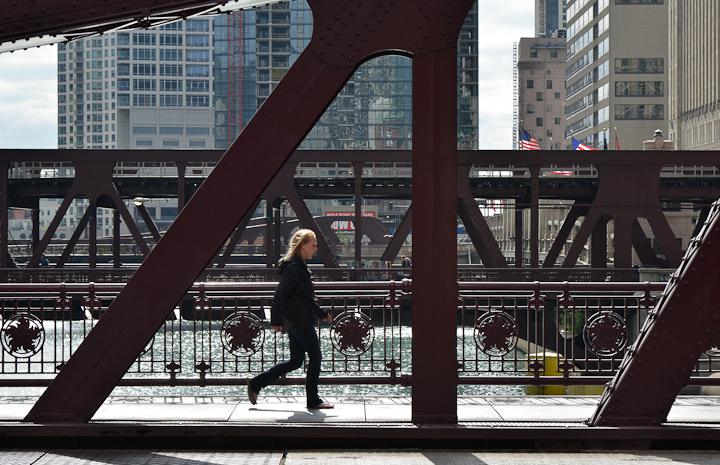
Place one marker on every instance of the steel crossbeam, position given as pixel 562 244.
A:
pixel 345 35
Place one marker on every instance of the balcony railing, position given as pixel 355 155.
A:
pixel 219 333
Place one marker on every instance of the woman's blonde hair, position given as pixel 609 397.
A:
pixel 302 236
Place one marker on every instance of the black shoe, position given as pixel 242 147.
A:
pixel 321 406
pixel 252 395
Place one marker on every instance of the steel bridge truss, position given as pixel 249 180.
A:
pixel 347 33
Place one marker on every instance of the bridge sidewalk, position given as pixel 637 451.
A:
pixel 500 410
pixel 376 422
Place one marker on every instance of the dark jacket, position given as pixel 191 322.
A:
pixel 294 299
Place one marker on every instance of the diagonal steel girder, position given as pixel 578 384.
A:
pixel 675 334
pixel 345 35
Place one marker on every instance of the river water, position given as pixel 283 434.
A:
pixel 396 340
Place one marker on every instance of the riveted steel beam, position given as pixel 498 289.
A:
pixel 675 334
pixel 345 34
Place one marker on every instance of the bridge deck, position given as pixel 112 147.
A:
pixel 522 422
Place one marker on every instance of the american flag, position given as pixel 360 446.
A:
pixel 527 142
pixel 577 145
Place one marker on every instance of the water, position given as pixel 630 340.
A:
pixel 390 343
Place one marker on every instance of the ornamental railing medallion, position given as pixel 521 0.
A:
pixel 352 333
pixel 713 348
pixel 242 334
pixel 23 335
pixel 496 333
pixel 606 334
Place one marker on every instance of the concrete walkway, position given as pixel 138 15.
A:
pixel 372 457
pixel 572 411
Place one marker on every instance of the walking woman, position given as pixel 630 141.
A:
pixel 294 311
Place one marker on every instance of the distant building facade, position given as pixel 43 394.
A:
pixel 541 90
pixel 617 71
pixel 694 74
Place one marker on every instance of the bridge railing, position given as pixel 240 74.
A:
pixel 244 274
pixel 336 170
pixel 508 333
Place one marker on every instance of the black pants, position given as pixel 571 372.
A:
pixel 302 341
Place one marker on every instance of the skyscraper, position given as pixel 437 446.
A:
pixel 549 17
pixel 616 70
pixel 373 111
pixel 138 89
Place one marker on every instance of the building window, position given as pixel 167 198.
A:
pixel 557 95
pixel 197 101
pixel 144 100
pixel 640 112
pixel 639 2
pixel 548 108
pixel 553 53
pixel 146 54
pixel 172 130
pixel 171 143
pixel 144 143
pixel 548 133
pixel 193 131
pixel 144 130
pixel 539 96
pixel 639 65
pixel 197 143
pixel 557 120
pixel 144 85
pixel 530 83
pixel 170 100
pixel 530 108
pixel 533 52
pixel 538 122
pixel 639 89
pixel 549 84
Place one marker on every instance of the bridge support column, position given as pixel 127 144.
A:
pixel 357 168
pixel 534 215
pixel 434 299
pixel 4 216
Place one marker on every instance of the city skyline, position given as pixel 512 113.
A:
pixel 28 92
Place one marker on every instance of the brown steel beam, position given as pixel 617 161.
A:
pixel 74 238
pixel 534 215
pixel 4 215
pixel 563 235
pixel 434 298
pixel 675 334
pixel 357 170
pixel 148 221
pixel 398 238
pixel 475 224
pixel 236 236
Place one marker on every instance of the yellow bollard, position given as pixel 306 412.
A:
pixel 550 361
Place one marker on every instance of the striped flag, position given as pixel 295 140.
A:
pixel 617 143
pixel 577 145
pixel 527 142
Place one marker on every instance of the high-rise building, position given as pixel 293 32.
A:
pixel 197 83
pixel 138 89
pixel 541 90
pixel 373 111
pixel 549 17
pixel 694 74
pixel 616 71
